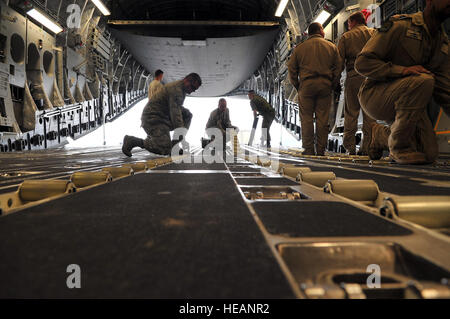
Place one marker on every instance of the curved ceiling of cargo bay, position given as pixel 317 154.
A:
pixel 223 63
pixel 224 56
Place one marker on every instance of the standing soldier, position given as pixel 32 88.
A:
pixel 350 45
pixel 261 107
pixel 156 84
pixel 162 114
pixel 406 64
pixel 318 65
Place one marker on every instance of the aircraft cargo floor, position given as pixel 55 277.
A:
pixel 193 231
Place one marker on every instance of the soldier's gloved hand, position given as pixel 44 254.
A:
pixel 415 70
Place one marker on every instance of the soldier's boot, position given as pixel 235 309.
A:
pixel 130 142
pixel 425 139
pixel 402 146
pixel 362 153
pixel 320 150
pixel 364 149
pixel 408 157
pixel 368 123
pixel 351 151
pixel 320 153
pixel 378 141
pixel 308 152
pixel 349 143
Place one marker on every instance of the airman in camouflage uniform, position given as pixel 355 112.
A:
pixel 406 63
pixel 262 107
pixel 162 114
pixel 220 119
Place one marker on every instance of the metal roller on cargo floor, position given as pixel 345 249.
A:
pixel 84 179
pixel 35 191
pixel 428 211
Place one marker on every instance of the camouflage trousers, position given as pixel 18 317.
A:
pixel 266 124
pixel 158 139
pixel 351 115
pixel 403 102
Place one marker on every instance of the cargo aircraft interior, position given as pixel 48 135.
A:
pixel 266 223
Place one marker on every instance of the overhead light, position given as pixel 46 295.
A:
pixel 99 4
pixel 281 6
pixel 322 17
pixel 44 20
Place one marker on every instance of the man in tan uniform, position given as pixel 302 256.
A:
pixel 318 65
pixel 406 64
pixel 349 46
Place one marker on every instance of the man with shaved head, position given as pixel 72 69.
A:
pixel 314 70
pixel 156 84
pixel 350 45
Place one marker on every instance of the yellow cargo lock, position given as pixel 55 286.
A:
pixel 318 179
pixel 428 211
pixel 357 190
pixel 85 179
pixel 117 172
